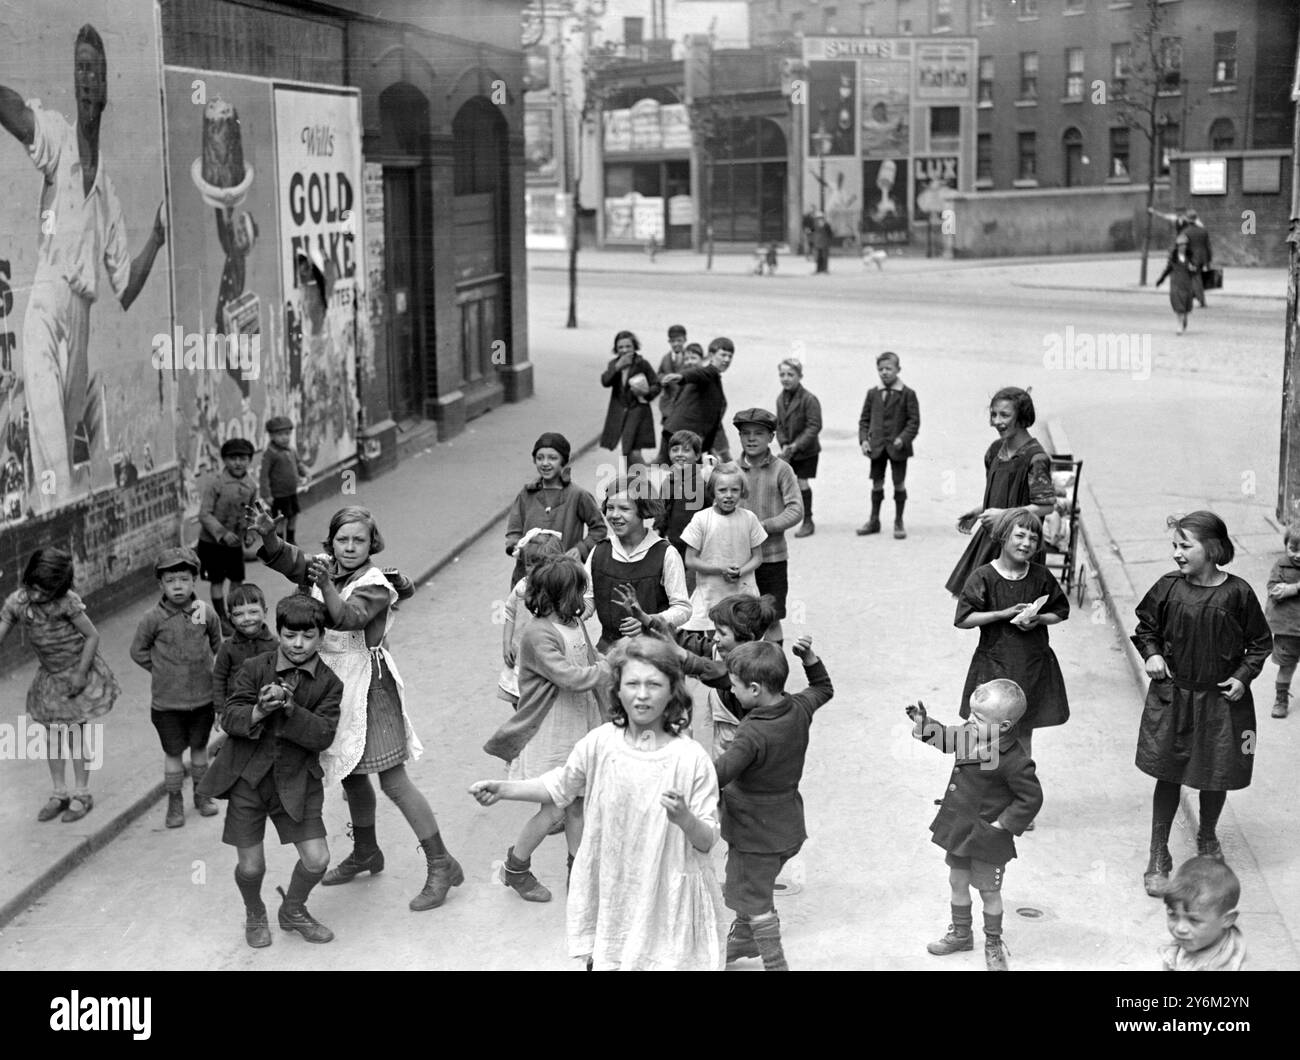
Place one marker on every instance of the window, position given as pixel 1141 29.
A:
pixel 904 25
pixel 633 30
pixel 1119 152
pixel 1074 7
pixel 1026 8
pixel 1223 135
pixel 828 20
pixel 1169 140
pixel 1121 60
pixel 1027 144
pixel 866 10
pixel 796 23
pixel 1074 73
pixel 942 16
pixel 1028 75
pixel 1171 64
pixel 986 79
pixel 1225 59
pixel 987 10
pixel 945 128
pixel 984 158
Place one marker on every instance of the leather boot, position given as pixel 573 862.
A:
pixel 1282 704
pixel 740 940
pixel 257 933
pixel 872 525
pixel 1156 878
pixel 517 875
pixel 293 916
pixel 444 873
pixel 202 803
pixel 174 783
pixel 1207 846
pixel 767 939
pixel 959 937
pixel 365 857
pixel 900 501
pixel 808 529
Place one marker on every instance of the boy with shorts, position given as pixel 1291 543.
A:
pixel 992 795
pixel 247 608
pixel 1282 609
pixel 175 642
pixel 282 474
pixel 221 523
pixel 890 420
pixel 282 713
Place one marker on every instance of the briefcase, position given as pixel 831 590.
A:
pixel 1212 279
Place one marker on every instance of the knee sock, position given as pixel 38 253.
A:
pixel 361 799
pixel 250 889
pixel 806 496
pixel 963 919
pixel 407 797
pixel 1212 803
pixel 1164 803
pixel 993 926
pixel 900 501
pixel 877 499
pixel 301 883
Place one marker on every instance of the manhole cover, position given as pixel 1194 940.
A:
pixel 1029 912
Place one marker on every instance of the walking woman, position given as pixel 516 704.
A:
pixel 629 423
pixel 1183 273
pixel 374 734
pixel 798 423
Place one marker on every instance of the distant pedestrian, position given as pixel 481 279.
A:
pixel 643 894
pixel 629 421
pixel 1201 903
pixel 821 242
pixel 222 523
pixel 701 401
pixel 1018 474
pixel 798 424
pixel 1181 270
pixel 1198 242
pixel 176 641
pixel 283 712
pixel 559 671
pixel 993 600
pixel 553 502
pixel 770 259
pixel 375 734
pixel 73 684
pixel 1282 609
pixel 994 794
pixel 890 420
pixel 535 547
pixel 282 474
pixel 759 774
pixel 671 363
pixel 773 496
pixel 724 546
pixel 1204 639
pixel 247 608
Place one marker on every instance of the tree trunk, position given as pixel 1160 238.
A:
pixel 573 260
pixel 1153 139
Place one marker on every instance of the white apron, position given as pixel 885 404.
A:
pixel 344 651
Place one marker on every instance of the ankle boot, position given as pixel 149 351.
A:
pixel 1282 704
pixel 767 940
pixel 808 528
pixel 995 950
pixel 900 501
pixel 293 916
pixel 444 873
pixel 516 875
pixel 202 803
pixel 365 857
pixel 1207 846
pixel 872 525
pixel 174 784
pixel 257 933
pixel 959 937
pixel 740 940
pixel 1156 878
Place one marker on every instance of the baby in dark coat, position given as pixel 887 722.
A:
pixel 992 795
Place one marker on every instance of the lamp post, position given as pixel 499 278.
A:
pixel 823 139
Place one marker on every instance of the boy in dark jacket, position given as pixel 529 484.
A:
pixel 701 401
pixel 282 473
pixel 890 420
pixel 282 713
pixel 993 795
pixel 762 811
pixel 247 608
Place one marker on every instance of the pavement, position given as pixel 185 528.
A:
pixel 477 474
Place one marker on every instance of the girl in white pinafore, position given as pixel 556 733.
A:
pixel 375 734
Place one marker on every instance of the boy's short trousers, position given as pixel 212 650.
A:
pixel 220 562
pixel 897 468
pixel 751 880
pixel 805 466
pixel 774 578
pixel 286 506
pixel 984 876
pixel 1286 649
pixel 179 729
pixel 248 807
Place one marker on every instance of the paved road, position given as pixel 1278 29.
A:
pixel 874 888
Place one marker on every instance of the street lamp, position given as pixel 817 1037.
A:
pixel 823 139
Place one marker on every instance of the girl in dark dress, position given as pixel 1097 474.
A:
pixel 1204 638
pixel 994 595
pixel 1182 271
pixel 629 423
pixel 1018 475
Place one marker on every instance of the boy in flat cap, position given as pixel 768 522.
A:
pixel 175 642
pixel 774 498
pixel 221 523
pixel 282 473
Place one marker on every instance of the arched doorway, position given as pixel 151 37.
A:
pixel 749 182
pixel 480 239
pixel 1072 142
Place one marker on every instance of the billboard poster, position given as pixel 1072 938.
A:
pixel 934 180
pixel 885 107
pixel 885 199
pixel 841 196
pixel 832 107
pixel 945 72
pixel 318 152
pixel 539 143
pixel 84 253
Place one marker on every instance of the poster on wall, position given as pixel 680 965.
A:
pixel 934 182
pixel 832 108
pixel 885 107
pixel 944 72
pixel 539 143
pixel 841 196
pixel 84 254
pixel 884 210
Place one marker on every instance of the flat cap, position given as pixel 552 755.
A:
pixel 175 559
pixel 755 417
